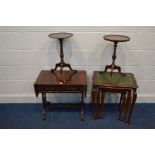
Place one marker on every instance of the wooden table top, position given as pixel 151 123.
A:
pixel 123 80
pixel 47 78
pixel 61 35
pixel 116 38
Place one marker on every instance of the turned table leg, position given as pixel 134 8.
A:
pixel 127 106
pixel 134 97
pixel 94 109
pixel 101 102
pixel 122 105
pixel 82 106
pixel 44 101
pixel 96 103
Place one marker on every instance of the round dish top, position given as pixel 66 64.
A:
pixel 116 38
pixel 61 35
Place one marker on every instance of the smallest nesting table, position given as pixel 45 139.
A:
pixel 124 83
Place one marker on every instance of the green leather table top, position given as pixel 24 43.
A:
pixel 116 80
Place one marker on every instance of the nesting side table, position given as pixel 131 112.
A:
pixel 47 83
pixel 124 83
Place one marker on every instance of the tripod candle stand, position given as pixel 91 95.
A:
pixel 115 39
pixel 61 37
pixel 61 64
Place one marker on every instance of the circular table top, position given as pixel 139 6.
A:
pixel 116 38
pixel 61 35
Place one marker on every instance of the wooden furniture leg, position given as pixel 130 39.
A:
pixel 122 105
pixel 98 102
pixel 127 106
pixel 101 103
pixel 134 97
pixel 44 101
pixel 82 106
pixel 94 109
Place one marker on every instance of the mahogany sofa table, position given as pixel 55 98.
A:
pixel 124 83
pixel 47 82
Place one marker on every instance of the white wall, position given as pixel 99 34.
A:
pixel 24 51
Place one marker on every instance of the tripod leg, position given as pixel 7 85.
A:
pixel 56 66
pixel 69 66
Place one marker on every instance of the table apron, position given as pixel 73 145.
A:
pixel 116 90
pixel 60 89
